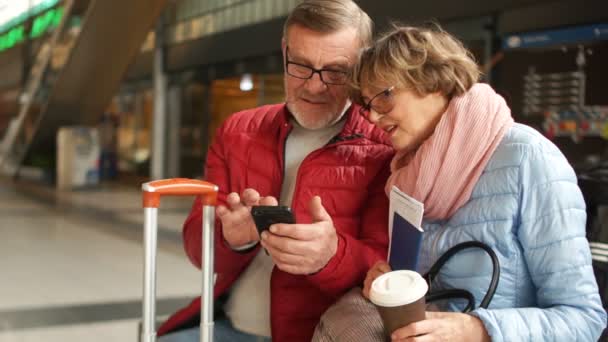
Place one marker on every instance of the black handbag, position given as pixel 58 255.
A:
pixel 461 293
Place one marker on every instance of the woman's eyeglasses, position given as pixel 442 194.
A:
pixel 381 103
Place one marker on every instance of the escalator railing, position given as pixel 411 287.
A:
pixel 19 133
pixel 111 36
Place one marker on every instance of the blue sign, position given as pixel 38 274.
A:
pixel 539 39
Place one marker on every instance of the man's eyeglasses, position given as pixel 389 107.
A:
pixel 381 103
pixel 305 72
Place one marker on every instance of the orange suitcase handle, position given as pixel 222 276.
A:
pixel 153 191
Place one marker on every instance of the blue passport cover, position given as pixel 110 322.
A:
pixel 405 245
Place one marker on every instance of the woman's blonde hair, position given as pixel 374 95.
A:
pixel 425 59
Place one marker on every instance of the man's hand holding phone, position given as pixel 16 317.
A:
pixel 303 248
pixel 265 216
pixel 238 226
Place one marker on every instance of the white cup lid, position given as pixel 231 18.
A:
pixel 397 288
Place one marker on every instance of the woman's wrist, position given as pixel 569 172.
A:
pixel 479 327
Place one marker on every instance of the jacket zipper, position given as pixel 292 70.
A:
pixel 283 160
pixel 272 271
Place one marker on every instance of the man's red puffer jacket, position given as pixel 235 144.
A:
pixel 348 174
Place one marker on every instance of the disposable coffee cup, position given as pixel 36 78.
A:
pixel 399 298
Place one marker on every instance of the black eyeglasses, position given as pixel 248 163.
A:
pixel 380 103
pixel 305 72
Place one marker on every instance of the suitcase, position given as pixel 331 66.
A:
pixel 152 193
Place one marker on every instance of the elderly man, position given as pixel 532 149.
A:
pixel 314 153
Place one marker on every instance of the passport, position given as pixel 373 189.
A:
pixel 405 230
pixel 405 245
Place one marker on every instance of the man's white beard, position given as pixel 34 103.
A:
pixel 321 121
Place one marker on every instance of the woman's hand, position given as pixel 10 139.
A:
pixel 443 326
pixel 377 270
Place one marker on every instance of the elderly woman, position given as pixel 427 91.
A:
pixel 481 177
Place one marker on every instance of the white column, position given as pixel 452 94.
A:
pixel 158 144
pixel 174 125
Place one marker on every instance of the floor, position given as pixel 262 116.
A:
pixel 71 263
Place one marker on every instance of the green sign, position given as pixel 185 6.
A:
pixel 15 12
pixel 46 21
pixel 12 38
pixel 40 25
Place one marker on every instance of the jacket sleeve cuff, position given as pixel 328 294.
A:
pixel 244 248
pixel 490 323
pixel 329 272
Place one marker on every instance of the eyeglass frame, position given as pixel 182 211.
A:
pixel 313 71
pixel 366 108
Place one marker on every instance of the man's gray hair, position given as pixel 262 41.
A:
pixel 328 16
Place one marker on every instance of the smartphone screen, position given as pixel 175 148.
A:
pixel 265 216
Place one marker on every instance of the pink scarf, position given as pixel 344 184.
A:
pixel 442 172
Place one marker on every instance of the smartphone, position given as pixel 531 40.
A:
pixel 265 216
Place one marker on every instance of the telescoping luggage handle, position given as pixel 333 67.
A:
pixel 152 192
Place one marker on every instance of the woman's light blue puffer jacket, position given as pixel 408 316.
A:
pixel 528 208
